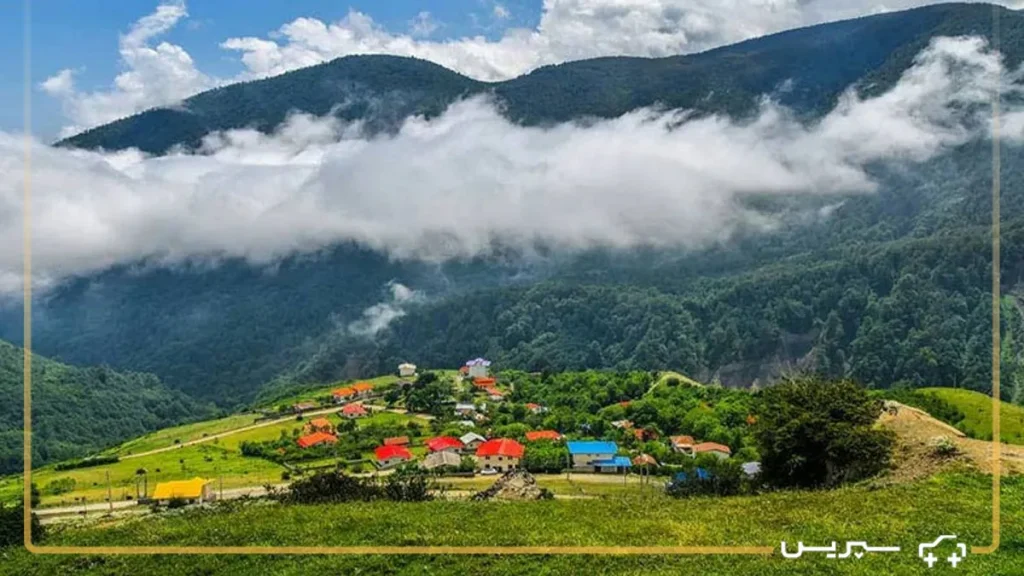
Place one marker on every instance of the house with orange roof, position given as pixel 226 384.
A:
pixel 495 395
pixel 501 454
pixel 644 435
pixel 484 382
pixel 363 389
pixel 682 444
pixel 319 425
pixel 397 441
pixel 645 460
pixel 444 443
pixel 342 395
pixel 391 456
pixel 543 435
pixel 535 408
pixel 353 411
pixel 720 450
pixel 316 438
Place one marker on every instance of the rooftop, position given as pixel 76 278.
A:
pixel 389 452
pixel 501 447
pixel 180 489
pixel 592 447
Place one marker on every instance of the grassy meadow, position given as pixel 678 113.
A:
pixel 902 515
pixel 977 409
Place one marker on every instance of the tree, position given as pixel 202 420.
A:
pixel 12 519
pixel 817 434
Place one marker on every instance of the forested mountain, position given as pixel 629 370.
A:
pixel 815 64
pixel 76 411
pixel 891 287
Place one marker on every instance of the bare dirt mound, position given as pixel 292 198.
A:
pixel 513 485
pixel 926 445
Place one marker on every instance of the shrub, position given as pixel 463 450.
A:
pixel 334 487
pixel 817 434
pixel 86 462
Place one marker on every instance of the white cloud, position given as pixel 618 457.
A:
pixel 381 315
pixel 154 75
pixel 164 74
pixel 423 25
pixel 470 178
pixel 501 12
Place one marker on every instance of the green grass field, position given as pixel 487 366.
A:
pixel 188 432
pixel 216 459
pixel 902 515
pixel 380 383
pixel 206 460
pixel 977 408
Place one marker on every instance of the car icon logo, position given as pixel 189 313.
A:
pixel 930 559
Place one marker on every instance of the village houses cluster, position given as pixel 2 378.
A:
pixel 489 455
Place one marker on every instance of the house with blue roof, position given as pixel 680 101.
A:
pixel 597 456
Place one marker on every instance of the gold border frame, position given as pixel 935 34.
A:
pixel 546 550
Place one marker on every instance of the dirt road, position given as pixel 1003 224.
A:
pixel 917 432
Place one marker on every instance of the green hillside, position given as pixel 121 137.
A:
pixel 977 410
pixel 902 515
pixel 77 411
pixel 821 61
pixel 889 290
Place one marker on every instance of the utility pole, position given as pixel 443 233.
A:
pixel 110 495
pixel 221 480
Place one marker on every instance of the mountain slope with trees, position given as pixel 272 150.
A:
pixel 891 288
pixel 76 411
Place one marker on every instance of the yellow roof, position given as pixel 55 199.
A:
pixel 180 489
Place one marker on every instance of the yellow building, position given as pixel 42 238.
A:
pixel 194 490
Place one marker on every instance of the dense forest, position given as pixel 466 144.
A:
pixel 891 288
pixel 76 411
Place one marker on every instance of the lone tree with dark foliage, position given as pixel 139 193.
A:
pixel 818 434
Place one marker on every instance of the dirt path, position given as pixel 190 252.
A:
pixel 213 437
pixel 917 432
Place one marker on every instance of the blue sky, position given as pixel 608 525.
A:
pixel 82 35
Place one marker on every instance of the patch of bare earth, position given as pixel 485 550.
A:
pixel 926 446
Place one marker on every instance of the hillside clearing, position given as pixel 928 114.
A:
pixel 977 409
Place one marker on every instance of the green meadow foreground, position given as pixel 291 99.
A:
pixel 900 515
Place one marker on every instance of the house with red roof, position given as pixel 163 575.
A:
pixel 397 441
pixel 720 450
pixel 535 408
pixel 501 454
pixel 352 411
pixel 319 425
pixel 391 456
pixel 444 443
pixel 315 439
pixel 543 435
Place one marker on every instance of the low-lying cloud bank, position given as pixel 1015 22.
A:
pixel 458 184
